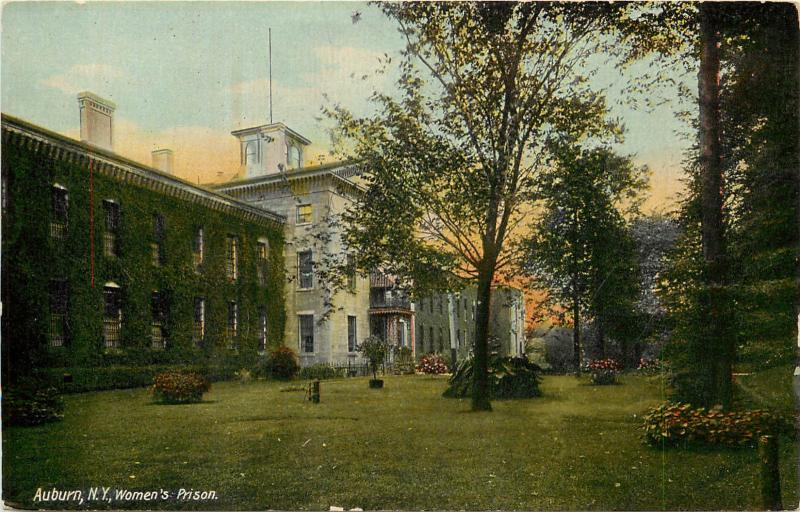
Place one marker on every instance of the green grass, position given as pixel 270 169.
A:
pixel 577 447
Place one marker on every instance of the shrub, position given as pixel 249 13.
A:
pixel 244 375
pixel 282 364
pixel 177 387
pixel 559 349
pixel 318 371
pixel 673 423
pixel 649 365
pixel 432 364
pixel 603 371
pixel 374 350
pixel 31 405
pixel 509 377
pixel 83 379
pixel 403 360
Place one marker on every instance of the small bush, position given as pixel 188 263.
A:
pixel 648 365
pixel 674 423
pixel 177 387
pixel 403 360
pixel 509 377
pixel 30 405
pixel 432 364
pixel 244 375
pixel 374 350
pixel 282 364
pixel 603 371
pixel 318 371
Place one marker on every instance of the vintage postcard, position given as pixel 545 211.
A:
pixel 347 256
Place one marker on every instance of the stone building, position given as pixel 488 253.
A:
pixel 445 323
pixel 245 260
pixel 107 261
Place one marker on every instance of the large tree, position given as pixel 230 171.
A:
pixel 451 162
pixel 581 248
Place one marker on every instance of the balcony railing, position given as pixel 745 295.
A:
pixel 390 302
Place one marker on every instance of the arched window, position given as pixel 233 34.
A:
pixel 250 153
pixel 296 157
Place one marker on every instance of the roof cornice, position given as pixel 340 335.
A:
pixel 57 146
pixel 337 172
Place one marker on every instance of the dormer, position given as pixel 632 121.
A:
pixel 268 149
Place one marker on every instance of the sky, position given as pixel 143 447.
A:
pixel 185 74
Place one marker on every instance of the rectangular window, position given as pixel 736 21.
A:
pixel 351 272
pixel 112 316
pixel 157 246
pixel 232 329
pixel 158 309
pixel 430 338
pixel 305 270
pixel 262 329
pixel 199 323
pixel 113 220
pixel 306 333
pixel 421 337
pixel 58 221
pixel 441 304
pixel 198 248
pixel 351 334
pixel 232 258
pixel 59 298
pixel 441 339
pixel 304 212
pixel 262 260
pixel 458 338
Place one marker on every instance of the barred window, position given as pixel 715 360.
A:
pixel 60 215
pixel 159 233
pixel 158 307
pixel 262 329
pixel 59 298
pixel 351 334
pixel 198 248
pixel 113 220
pixel 305 270
pixel 232 257
pixel 199 323
pixel 232 329
pixel 112 315
pixel 306 333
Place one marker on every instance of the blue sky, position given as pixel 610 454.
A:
pixel 185 74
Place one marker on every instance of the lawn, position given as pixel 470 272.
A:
pixel 259 446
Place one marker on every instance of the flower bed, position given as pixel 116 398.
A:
pixel 679 423
pixel 603 371
pixel 176 387
pixel 432 364
pixel 649 365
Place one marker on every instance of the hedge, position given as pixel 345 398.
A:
pixel 80 380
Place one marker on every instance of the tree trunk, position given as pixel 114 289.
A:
pixel 601 340
pixel 576 332
pixel 718 352
pixel 480 382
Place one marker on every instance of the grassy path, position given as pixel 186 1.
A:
pixel 258 447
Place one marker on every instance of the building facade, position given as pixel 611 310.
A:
pixel 107 261
pixel 140 266
pixel 445 323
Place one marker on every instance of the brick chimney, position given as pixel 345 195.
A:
pixel 163 160
pixel 97 120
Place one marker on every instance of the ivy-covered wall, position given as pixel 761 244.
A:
pixel 31 258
